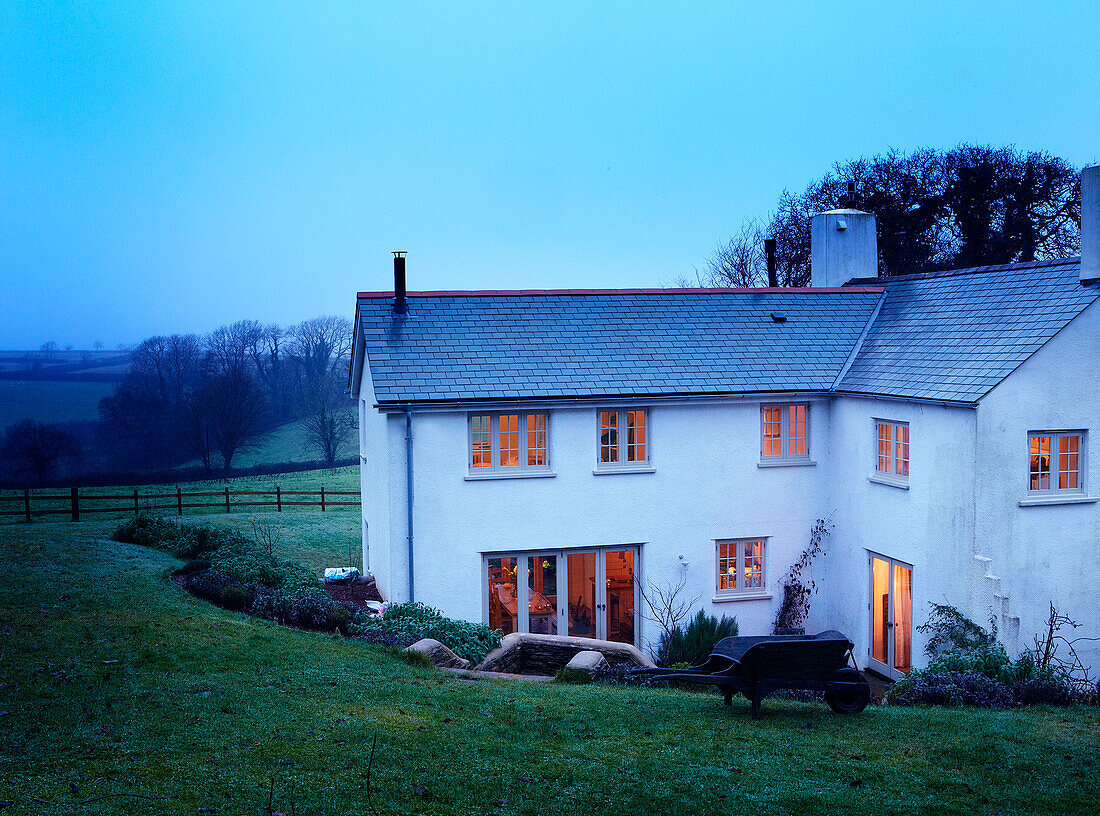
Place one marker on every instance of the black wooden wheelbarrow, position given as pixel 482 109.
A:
pixel 757 666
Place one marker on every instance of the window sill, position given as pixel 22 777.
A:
pixel 762 596
pixel 608 471
pixel 1047 500
pixel 768 463
pixel 886 480
pixel 490 477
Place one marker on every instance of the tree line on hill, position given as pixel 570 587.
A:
pixel 934 209
pixel 202 398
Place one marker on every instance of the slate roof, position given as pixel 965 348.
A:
pixel 955 335
pixel 454 346
pixel 948 336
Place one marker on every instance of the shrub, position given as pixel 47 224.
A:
pixel 472 641
pixel 693 644
pixel 1045 691
pixel 949 630
pixel 951 689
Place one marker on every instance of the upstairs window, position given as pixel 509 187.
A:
pixel 623 438
pixel 508 443
pixel 1055 462
pixel 892 458
pixel 740 566
pixel 784 432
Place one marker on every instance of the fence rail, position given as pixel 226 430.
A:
pixel 77 503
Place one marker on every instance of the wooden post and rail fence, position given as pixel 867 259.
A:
pixel 74 504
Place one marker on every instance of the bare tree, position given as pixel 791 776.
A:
pixel 666 601
pixel 236 412
pixel 740 262
pixel 320 349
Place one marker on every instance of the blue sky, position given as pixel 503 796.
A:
pixel 169 167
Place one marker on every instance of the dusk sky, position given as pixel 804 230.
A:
pixel 169 167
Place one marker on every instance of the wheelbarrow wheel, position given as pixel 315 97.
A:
pixel 849 701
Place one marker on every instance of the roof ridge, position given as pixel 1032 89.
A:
pixel 764 290
pixel 969 270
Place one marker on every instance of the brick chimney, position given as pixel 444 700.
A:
pixel 843 245
pixel 1090 223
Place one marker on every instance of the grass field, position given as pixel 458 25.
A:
pixel 50 401
pixel 345 479
pixel 119 693
pixel 288 443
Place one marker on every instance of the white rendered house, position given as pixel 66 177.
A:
pixel 530 459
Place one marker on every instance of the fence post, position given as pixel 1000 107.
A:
pixel 27 504
pixel 179 501
pixel 227 500
pixel 74 498
pixel 137 510
pixel 322 498
pixel 278 499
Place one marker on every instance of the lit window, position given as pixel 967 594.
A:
pixel 784 431
pixel 505 443
pixel 1055 462
pixel 623 438
pixel 892 454
pixel 740 566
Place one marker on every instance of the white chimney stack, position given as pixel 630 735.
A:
pixel 1090 223
pixel 843 245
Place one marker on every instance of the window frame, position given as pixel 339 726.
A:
pixel 891 476
pixel 784 456
pixel 740 591
pixel 1054 469
pixel 495 469
pixel 622 447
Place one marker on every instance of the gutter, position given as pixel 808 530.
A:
pixel 409 494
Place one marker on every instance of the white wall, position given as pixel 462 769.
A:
pixel 706 485
pixel 930 525
pixel 1044 553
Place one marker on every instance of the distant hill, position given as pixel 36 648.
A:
pixel 64 365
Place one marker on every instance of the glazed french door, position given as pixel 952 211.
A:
pixel 582 593
pixel 891 608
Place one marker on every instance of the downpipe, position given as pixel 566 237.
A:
pixel 409 495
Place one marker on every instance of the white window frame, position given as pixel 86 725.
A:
pixel 740 591
pixel 784 457
pixel 891 476
pixel 495 469
pixel 624 466
pixel 1054 469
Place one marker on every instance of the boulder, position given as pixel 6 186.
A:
pixel 439 654
pixel 590 662
pixel 522 653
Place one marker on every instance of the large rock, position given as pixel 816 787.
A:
pixel 521 653
pixel 590 662
pixel 439 654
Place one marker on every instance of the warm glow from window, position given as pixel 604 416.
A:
pixel 740 565
pixel 481 434
pixel 509 440
pixel 635 436
pixel 784 431
pixel 772 437
pixel 536 439
pixel 1054 461
pixel 609 436
pixel 893 448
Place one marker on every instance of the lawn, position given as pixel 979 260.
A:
pixel 122 694
pixel 343 479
